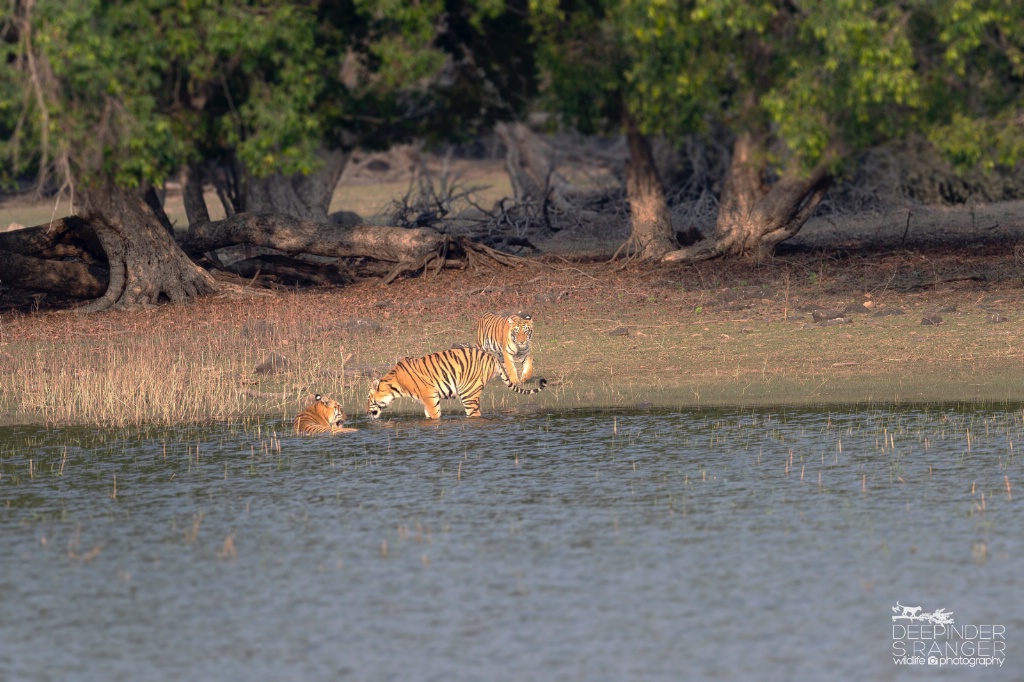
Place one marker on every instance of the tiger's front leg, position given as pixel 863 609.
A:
pixel 510 368
pixel 527 368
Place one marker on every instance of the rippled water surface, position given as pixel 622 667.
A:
pixel 756 545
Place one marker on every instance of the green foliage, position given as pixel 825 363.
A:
pixel 817 79
pixel 976 81
pixel 132 90
pixel 581 54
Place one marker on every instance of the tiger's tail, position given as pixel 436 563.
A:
pixel 541 383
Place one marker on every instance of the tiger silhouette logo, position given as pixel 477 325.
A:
pixel 908 611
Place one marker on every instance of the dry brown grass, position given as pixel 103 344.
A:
pixel 178 364
pixel 716 333
pixel 676 336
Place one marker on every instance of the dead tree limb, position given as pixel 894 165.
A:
pixel 293 236
pixel 67 278
pixel 69 237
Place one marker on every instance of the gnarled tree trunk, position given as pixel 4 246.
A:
pixel 754 217
pixel 146 264
pixel 651 234
pixel 306 197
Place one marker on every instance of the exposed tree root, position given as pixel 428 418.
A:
pixel 705 249
pixel 466 253
pixel 145 263
pixel 630 250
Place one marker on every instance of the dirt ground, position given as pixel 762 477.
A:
pixel 932 302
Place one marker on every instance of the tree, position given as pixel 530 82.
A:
pixel 799 87
pixel 262 99
pixel 585 57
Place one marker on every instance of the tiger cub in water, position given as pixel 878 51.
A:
pixel 508 335
pixel 323 416
pixel 454 373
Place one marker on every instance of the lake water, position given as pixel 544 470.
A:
pixel 766 544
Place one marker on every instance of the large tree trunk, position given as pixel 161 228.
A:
pixel 651 234
pixel 306 197
pixel 754 217
pixel 146 264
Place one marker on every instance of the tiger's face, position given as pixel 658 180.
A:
pixel 380 397
pixel 521 332
pixel 330 410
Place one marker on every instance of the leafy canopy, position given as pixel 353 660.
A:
pixel 820 78
pixel 134 89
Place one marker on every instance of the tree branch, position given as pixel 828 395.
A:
pixel 67 278
pixel 65 237
pixel 291 235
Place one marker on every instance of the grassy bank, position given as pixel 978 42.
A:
pixel 165 366
pixel 658 337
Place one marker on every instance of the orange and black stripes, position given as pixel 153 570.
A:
pixel 453 373
pixel 508 336
pixel 324 415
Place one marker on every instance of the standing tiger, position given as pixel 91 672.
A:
pixel 323 416
pixel 508 335
pixel 454 373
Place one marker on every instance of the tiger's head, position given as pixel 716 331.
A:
pixel 521 330
pixel 329 410
pixel 381 395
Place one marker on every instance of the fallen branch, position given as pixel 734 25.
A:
pixel 70 237
pixel 294 236
pixel 67 278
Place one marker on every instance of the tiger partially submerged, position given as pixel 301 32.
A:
pixel 508 335
pixel 323 416
pixel 454 373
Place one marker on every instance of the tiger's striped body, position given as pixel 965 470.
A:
pixel 454 373
pixel 323 416
pixel 508 336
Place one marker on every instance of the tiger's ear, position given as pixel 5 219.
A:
pixel 318 398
